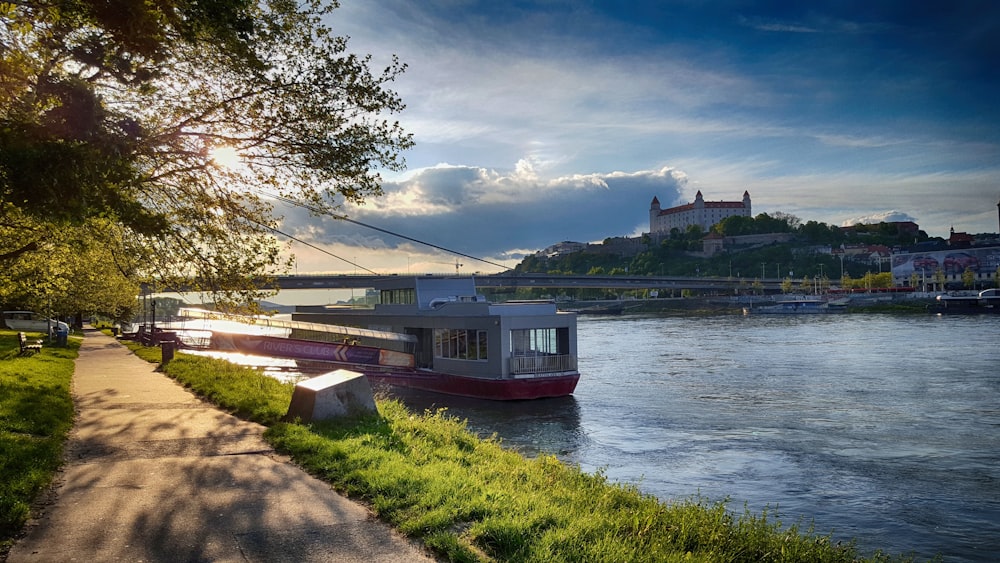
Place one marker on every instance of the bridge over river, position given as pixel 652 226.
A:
pixel 516 281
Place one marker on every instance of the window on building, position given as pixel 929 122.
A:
pixel 461 344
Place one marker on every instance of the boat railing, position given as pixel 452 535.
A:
pixel 520 365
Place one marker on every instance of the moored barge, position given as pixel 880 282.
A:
pixel 463 344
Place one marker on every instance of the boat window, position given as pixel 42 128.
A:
pixel 539 341
pixel 397 296
pixel 461 344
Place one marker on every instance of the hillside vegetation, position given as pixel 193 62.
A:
pixel 679 255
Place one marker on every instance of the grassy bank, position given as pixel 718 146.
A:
pixel 469 499
pixel 36 414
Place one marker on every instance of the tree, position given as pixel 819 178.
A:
pixel 84 271
pixel 786 285
pixel 880 280
pixel 792 221
pixel 821 233
pixel 735 225
pixel 939 279
pixel 806 285
pixel 138 103
pixel 968 278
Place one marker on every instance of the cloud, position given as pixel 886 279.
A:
pixel 882 217
pixel 487 213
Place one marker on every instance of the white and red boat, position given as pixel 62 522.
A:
pixel 434 334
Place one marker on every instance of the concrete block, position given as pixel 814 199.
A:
pixel 332 395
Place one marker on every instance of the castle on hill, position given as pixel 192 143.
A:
pixel 699 212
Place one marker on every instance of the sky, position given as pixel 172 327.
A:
pixel 540 121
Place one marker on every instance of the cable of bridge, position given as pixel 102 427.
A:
pixel 313 246
pixel 320 211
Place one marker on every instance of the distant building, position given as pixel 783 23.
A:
pixel 561 248
pixel 699 212
pixel 960 240
pixel 945 268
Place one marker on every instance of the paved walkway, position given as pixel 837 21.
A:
pixel 155 474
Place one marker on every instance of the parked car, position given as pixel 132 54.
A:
pixel 29 321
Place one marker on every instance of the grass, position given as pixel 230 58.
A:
pixel 36 415
pixel 243 391
pixel 469 499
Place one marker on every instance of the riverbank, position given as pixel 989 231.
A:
pixel 704 306
pixel 470 499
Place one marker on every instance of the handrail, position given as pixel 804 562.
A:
pixel 541 364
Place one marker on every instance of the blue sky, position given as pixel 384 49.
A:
pixel 550 120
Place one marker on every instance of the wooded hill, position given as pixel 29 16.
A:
pixel 807 255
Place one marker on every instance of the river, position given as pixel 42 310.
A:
pixel 880 428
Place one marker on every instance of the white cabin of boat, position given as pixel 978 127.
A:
pixel 459 332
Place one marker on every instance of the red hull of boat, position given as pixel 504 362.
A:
pixel 479 388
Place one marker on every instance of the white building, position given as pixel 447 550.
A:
pixel 700 212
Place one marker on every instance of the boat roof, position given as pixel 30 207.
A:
pixel 196 313
pixel 431 289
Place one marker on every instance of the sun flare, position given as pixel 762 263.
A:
pixel 226 156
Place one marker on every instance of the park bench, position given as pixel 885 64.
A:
pixel 22 340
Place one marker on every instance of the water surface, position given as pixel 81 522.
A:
pixel 876 427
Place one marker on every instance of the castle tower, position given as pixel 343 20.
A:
pixel 654 212
pixel 746 203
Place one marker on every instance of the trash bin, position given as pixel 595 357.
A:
pixel 62 335
pixel 114 331
pixel 167 350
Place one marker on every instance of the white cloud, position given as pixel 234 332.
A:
pixel 494 213
pixel 881 217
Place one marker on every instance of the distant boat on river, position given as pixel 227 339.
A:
pixel 798 307
pixel 985 302
pixel 609 309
